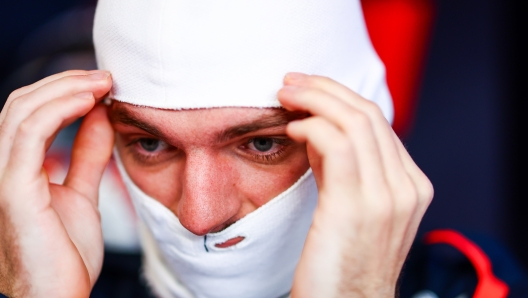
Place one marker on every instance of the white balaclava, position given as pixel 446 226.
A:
pixel 178 54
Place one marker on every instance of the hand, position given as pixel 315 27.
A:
pixel 51 241
pixel 372 196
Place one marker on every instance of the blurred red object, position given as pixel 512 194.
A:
pixel 488 286
pixel 400 32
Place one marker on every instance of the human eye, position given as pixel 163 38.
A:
pixel 261 144
pixel 151 145
pixel 146 150
pixel 266 149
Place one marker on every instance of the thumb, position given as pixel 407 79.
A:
pixel 91 152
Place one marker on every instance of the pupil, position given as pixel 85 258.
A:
pixel 262 144
pixel 149 144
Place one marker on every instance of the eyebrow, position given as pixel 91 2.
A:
pixel 279 117
pixel 122 115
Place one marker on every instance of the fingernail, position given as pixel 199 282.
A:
pixel 295 76
pixel 98 76
pixel 84 95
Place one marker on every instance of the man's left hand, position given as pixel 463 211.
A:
pixel 372 196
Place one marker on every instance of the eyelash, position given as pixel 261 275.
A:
pixel 141 157
pixel 269 157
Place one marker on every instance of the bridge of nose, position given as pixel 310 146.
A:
pixel 209 196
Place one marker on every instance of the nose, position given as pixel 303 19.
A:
pixel 209 197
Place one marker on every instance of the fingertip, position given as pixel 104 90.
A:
pixel 99 110
pixel 96 122
pixel 293 125
pixel 286 97
pixel 83 102
pixel 91 114
pixel 294 131
pixel 104 86
pixel 293 78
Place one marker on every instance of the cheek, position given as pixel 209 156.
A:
pixel 255 184
pixel 260 185
pixel 159 182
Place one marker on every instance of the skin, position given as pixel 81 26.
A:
pixel 371 194
pixel 208 173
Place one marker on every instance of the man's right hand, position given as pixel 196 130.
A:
pixel 51 243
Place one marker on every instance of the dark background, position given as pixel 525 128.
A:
pixel 470 124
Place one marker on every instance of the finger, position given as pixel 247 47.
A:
pixel 339 162
pixel 393 165
pixel 91 152
pixel 28 150
pixel 336 89
pixel 411 188
pixel 423 185
pixel 26 89
pixel 424 195
pixel 402 187
pixel 353 123
pixel 339 91
pixel 407 212
pixel 98 83
pixel 408 183
pixel 76 214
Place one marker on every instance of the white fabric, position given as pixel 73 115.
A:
pixel 180 54
pixel 177 263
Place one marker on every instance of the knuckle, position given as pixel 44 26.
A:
pixel 17 104
pixel 426 191
pixel 16 94
pixel 359 121
pixel 373 111
pixel 372 108
pixel 26 128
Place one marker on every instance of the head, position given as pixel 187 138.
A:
pixel 210 167
pixel 201 134
pixel 200 80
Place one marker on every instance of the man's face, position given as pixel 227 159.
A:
pixel 210 167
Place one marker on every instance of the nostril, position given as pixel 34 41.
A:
pixel 230 242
